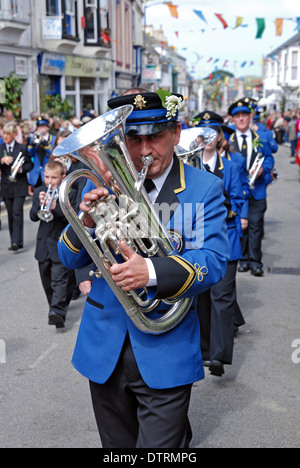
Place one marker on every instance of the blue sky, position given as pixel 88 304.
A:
pixel 207 45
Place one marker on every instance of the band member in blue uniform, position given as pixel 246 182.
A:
pixel 40 148
pixel 217 308
pixel 14 191
pixel 141 382
pixel 248 143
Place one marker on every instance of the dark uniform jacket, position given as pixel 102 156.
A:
pixel 20 187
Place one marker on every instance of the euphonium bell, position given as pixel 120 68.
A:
pixel 192 143
pixel 127 214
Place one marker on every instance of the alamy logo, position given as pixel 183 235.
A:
pixel 296 353
pixel 2 352
pixel 2 92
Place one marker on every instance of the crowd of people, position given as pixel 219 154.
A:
pixel 141 382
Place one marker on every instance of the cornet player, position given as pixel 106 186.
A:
pixel 54 275
pixel 40 148
pixel 248 143
pixel 14 193
pixel 141 382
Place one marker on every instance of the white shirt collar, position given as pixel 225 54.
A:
pixel 212 162
pixel 11 145
pixel 159 182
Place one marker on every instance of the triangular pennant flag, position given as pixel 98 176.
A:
pixel 260 27
pixel 298 25
pixel 239 20
pixel 173 10
pixel 200 14
pixel 177 33
pixel 243 64
pixel 225 25
pixel 279 26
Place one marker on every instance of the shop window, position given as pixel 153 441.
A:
pixel 96 19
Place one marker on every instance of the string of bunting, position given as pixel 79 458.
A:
pixel 260 22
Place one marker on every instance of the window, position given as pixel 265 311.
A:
pixel 70 23
pixel 295 65
pixel 52 8
pixel 9 9
pixel 96 22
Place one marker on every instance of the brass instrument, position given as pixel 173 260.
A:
pixel 192 144
pixel 37 138
pixel 16 166
pixel 44 213
pixel 126 215
pixel 254 170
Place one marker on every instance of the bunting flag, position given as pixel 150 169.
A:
pixel 173 9
pixel 177 33
pixel 298 25
pixel 239 20
pixel 243 64
pixel 279 26
pixel 200 14
pixel 260 27
pixel 225 25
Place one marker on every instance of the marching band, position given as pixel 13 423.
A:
pixel 162 299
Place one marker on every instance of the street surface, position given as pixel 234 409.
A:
pixel 45 403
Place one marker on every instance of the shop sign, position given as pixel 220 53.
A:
pixel 87 67
pixel 52 28
pixel 53 64
pixel 151 74
pixel 21 66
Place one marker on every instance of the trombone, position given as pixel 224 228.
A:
pixel 254 170
pixel 44 213
pixel 16 166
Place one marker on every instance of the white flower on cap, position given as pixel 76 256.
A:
pixel 173 104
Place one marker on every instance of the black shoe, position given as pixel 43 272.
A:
pixel 216 368
pixel 257 271
pixel 56 319
pixel 13 247
pixel 206 363
pixel 243 268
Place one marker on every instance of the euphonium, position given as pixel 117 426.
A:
pixel 192 143
pixel 44 212
pixel 125 215
pixel 16 166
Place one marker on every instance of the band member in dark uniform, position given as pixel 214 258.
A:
pixel 54 275
pixel 141 382
pixel 15 163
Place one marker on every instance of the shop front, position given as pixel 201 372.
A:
pixel 23 65
pixel 87 83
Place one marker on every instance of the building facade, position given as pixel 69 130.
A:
pixel 282 77
pixel 83 50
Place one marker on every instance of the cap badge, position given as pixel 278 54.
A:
pixel 139 102
pixel 240 104
pixel 206 116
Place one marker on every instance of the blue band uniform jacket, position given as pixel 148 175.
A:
pixel 40 155
pixel 229 172
pixel 259 191
pixel 172 358
pixel 260 187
